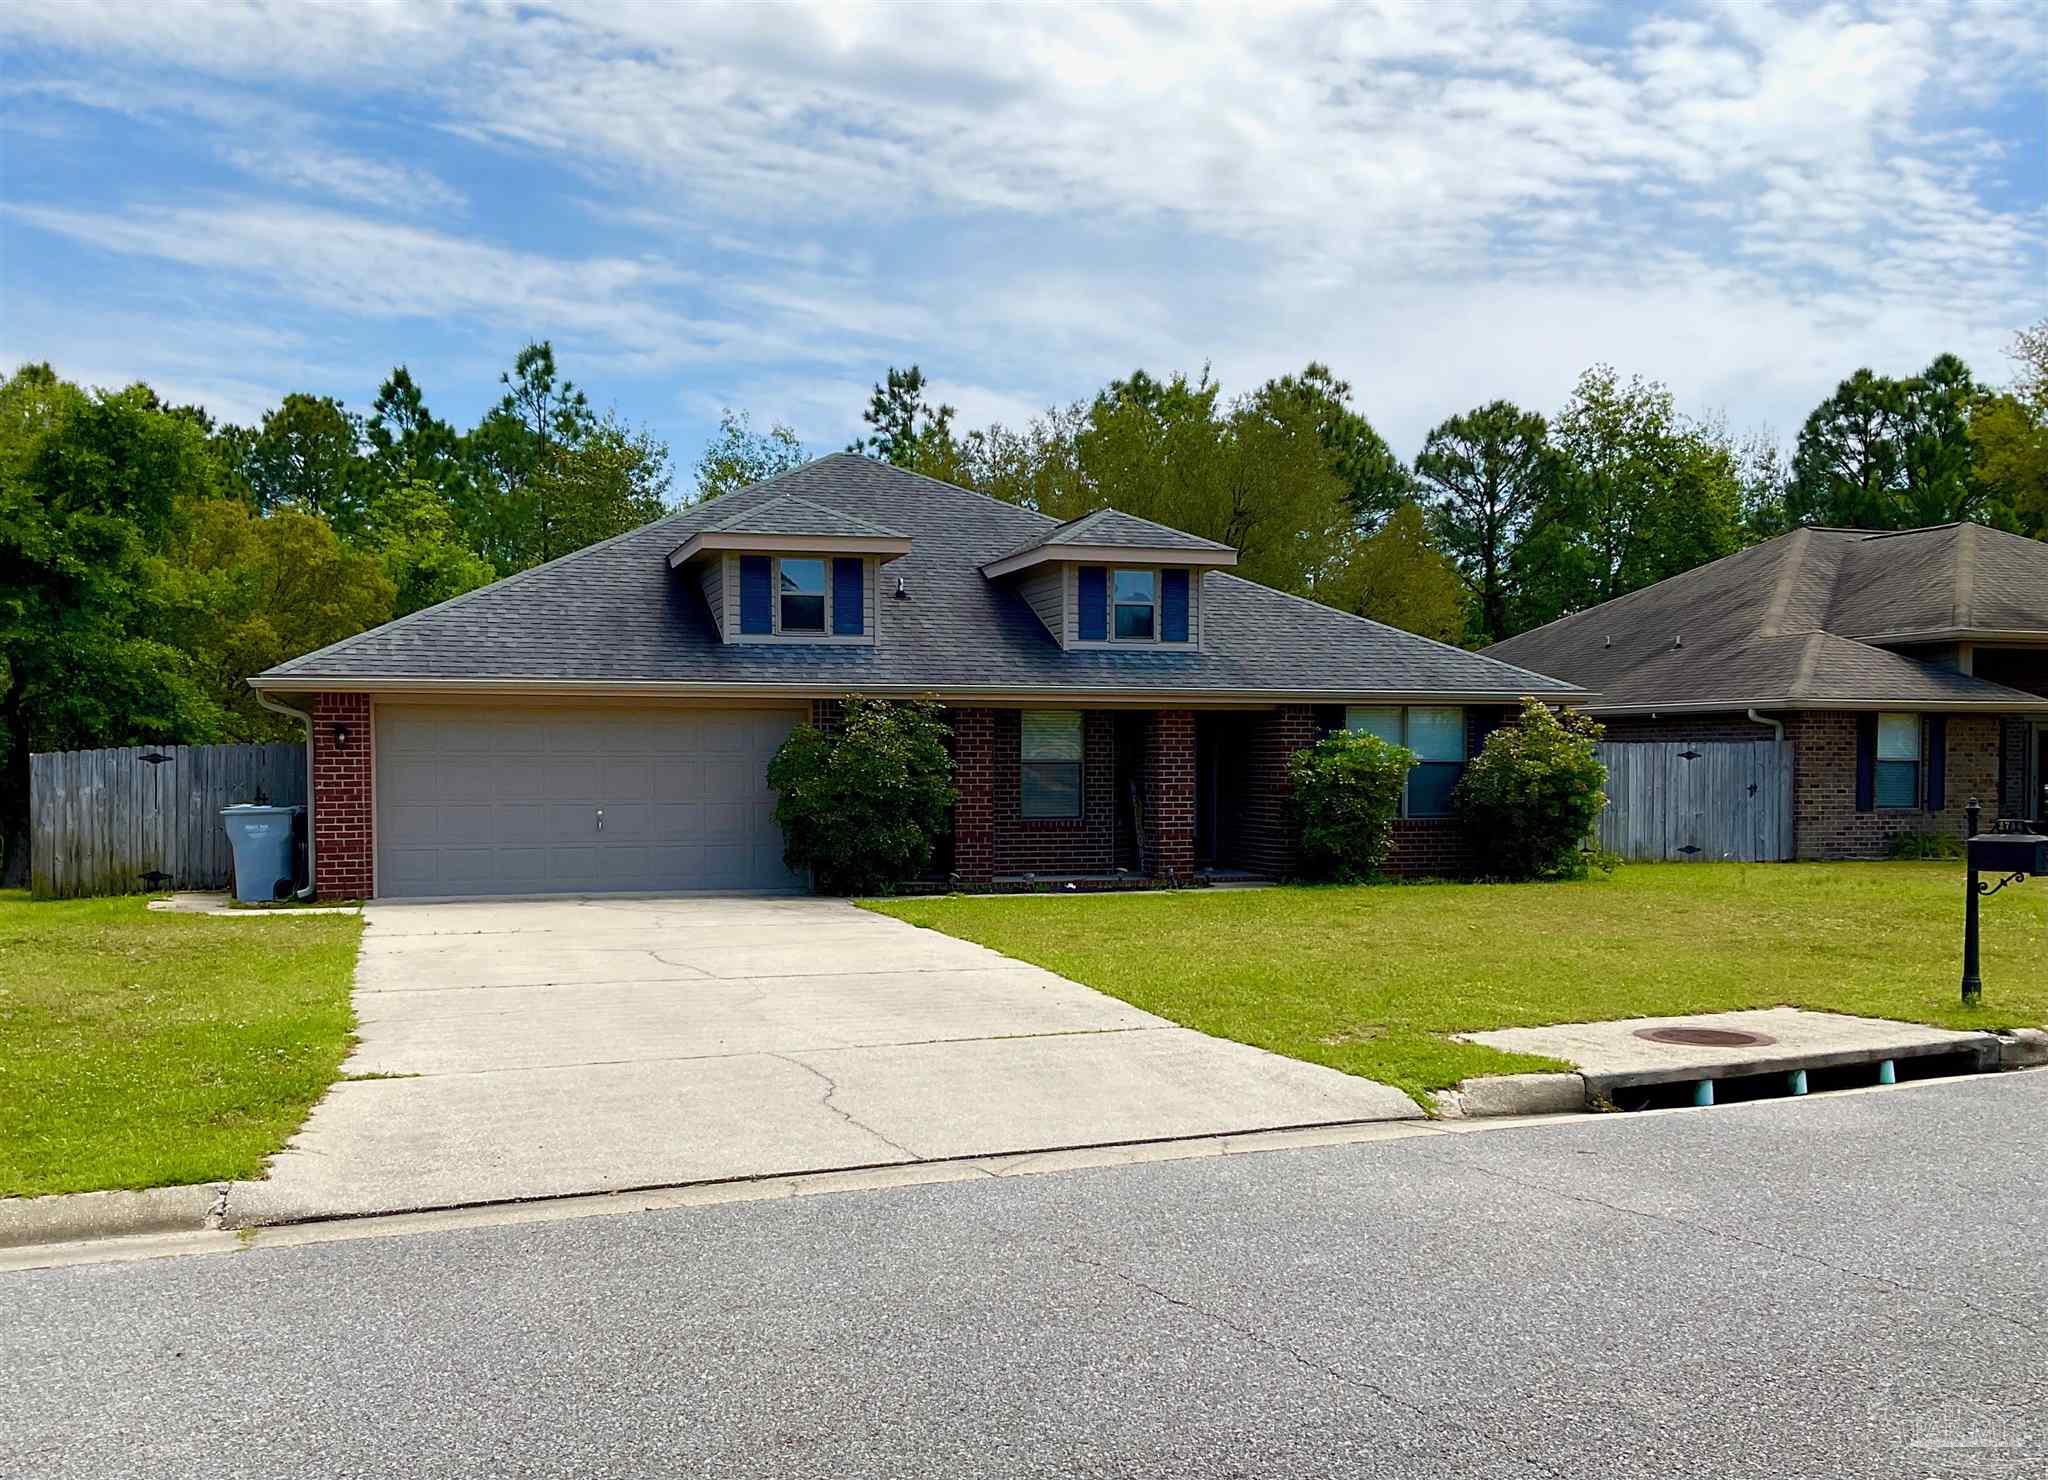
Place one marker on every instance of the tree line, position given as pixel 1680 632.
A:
pixel 152 558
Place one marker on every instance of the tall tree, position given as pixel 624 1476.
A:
pixel 244 593
pixel 412 529
pixel 909 431
pixel 1486 473
pixel 1890 454
pixel 308 456
pixel 2009 435
pixel 409 444
pixel 1375 480
pixel 1400 577
pixel 739 455
pixel 89 485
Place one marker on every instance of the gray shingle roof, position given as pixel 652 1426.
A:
pixel 792 515
pixel 615 613
pixel 1112 527
pixel 1779 623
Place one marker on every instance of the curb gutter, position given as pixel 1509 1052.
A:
pixel 75 1216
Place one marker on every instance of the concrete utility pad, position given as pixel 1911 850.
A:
pixel 1612 1055
pixel 574 1046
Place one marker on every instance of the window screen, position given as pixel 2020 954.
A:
pixel 1049 766
pixel 1898 760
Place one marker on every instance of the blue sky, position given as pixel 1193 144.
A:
pixel 765 207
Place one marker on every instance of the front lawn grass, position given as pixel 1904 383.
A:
pixel 1371 979
pixel 142 1049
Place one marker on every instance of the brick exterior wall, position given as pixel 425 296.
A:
pixel 1688 729
pixel 1055 845
pixel 1826 824
pixel 974 837
pixel 1267 839
pixel 344 810
pixel 1170 793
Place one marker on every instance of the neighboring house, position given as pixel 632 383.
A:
pixel 1909 671
pixel 1118 700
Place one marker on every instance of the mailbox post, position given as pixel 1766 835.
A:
pixel 2009 850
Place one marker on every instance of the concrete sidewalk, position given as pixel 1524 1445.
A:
pixel 563 1047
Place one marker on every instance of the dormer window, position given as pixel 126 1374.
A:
pixel 802 584
pixel 1137 605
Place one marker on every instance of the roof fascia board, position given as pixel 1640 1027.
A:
pixel 887 546
pixel 1047 693
pixel 1110 555
pixel 2020 704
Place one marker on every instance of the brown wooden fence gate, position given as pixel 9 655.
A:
pixel 1698 803
pixel 147 817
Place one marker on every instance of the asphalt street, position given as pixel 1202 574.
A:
pixel 1848 1285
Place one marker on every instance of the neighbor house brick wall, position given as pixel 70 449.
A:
pixel 344 809
pixel 1686 729
pixel 1055 845
pixel 974 838
pixel 1826 824
pixel 1170 793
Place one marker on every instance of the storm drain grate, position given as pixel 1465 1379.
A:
pixel 1706 1037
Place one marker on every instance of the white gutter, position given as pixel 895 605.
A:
pixel 307 720
pixel 1777 725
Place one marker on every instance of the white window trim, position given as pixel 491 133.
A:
pixel 1079 763
pixel 1157 583
pixel 1464 747
pixel 1879 760
pixel 824 627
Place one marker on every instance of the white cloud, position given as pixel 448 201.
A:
pixel 351 177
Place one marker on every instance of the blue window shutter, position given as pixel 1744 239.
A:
pixel 757 599
pixel 1094 603
pixel 1173 607
pixel 848 605
pixel 1866 762
pixel 1937 762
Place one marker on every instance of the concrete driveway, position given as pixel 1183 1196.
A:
pixel 557 1047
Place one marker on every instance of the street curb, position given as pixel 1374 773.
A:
pixel 2022 1048
pixel 76 1216
pixel 1513 1094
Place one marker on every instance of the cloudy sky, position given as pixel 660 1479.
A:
pixel 765 207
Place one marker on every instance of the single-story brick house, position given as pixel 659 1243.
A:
pixel 1909 670
pixel 1122 706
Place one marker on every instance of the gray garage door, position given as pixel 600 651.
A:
pixel 552 801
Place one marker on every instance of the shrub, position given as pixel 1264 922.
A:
pixel 862 805
pixel 1347 789
pixel 1532 796
pixel 1932 845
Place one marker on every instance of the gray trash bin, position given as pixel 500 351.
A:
pixel 264 856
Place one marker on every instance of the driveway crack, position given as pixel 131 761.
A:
pixel 1313 1364
pixel 825 1100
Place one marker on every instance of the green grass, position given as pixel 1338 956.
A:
pixel 142 1049
pixel 1370 980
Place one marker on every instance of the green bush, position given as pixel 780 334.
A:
pixel 1532 796
pixel 1929 845
pixel 1347 790
pixel 862 805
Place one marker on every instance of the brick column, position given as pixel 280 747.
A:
pixel 1170 793
pixel 1270 839
pixel 974 820
pixel 344 815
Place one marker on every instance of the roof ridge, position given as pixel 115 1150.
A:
pixel 1788 575
pixel 726 524
pixel 1966 574
pixel 989 498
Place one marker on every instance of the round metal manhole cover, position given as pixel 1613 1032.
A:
pixel 1706 1037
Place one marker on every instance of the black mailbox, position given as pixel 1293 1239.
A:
pixel 2010 853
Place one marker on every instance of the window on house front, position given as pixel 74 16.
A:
pixel 1049 767
pixel 1898 760
pixel 1436 735
pixel 1136 596
pixel 802 584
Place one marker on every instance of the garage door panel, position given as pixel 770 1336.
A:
pixel 474 801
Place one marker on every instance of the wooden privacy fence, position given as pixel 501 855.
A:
pixel 1698 803
pixel 147 816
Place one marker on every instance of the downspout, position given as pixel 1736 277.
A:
pixel 305 719
pixel 1777 725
